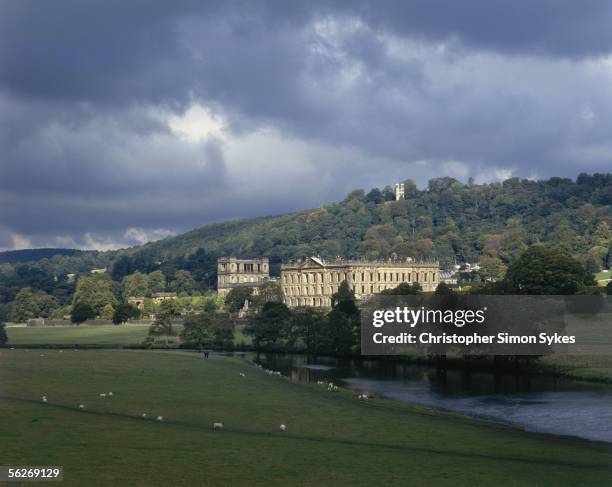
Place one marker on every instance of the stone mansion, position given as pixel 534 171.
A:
pixel 312 282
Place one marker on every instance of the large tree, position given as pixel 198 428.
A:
pixel 3 335
pixel 31 304
pixel 544 270
pixel 81 312
pixel 96 291
pixel 343 321
pixel 270 325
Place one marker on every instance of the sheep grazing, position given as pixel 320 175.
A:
pixel 217 426
pixel 110 394
pixel 242 374
pixel 61 351
pixel 320 382
pixel 160 418
pixel 81 406
pixel 332 387
pixel 44 399
pixel 102 396
pixel 144 416
pixel 362 396
pixel 42 354
pixel 283 427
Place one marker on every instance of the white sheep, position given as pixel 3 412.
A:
pixel 144 416
pixel 61 351
pixel 44 399
pixel 242 374
pixel 81 406
pixel 110 394
pixel 160 418
pixel 283 427
pixel 217 426
pixel 362 396
pixel 102 396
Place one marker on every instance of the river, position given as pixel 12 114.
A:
pixel 534 402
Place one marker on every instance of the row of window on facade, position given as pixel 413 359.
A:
pixel 317 277
pixel 317 302
pixel 329 290
pixel 243 268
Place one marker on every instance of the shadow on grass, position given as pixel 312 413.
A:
pixel 341 442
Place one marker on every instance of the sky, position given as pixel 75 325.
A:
pixel 125 122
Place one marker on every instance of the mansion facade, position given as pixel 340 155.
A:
pixel 233 272
pixel 312 281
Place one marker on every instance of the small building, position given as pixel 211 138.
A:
pixel 312 281
pixel 233 272
pixel 448 277
pixel 137 301
pixel 157 298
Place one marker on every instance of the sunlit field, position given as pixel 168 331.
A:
pixel 330 437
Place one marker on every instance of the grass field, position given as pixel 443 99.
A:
pixel 98 335
pixel 332 438
pixel 103 335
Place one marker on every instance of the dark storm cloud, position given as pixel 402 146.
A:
pixel 355 93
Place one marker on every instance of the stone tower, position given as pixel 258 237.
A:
pixel 399 191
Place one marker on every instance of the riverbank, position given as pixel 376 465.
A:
pixel 331 437
pixel 587 368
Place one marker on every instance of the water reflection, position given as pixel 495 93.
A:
pixel 535 402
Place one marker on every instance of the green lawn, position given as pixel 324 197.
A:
pixel 98 335
pixel 102 335
pixel 332 438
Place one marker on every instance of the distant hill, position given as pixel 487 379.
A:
pixel 449 221
pixel 14 256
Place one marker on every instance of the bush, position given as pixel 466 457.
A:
pixel 82 312
pixel 3 335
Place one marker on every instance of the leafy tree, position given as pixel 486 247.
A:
pixel 107 312
pixel 183 283
pixel 375 196
pixel 491 269
pixel 31 304
pixel 234 301
pixel 341 333
pixel 157 282
pixel 309 325
pixel 542 270
pixel 403 289
pixel 125 312
pixel 444 289
pixel 270 325
pixel 3 335
pixel 134 285
pixel 163 325
pixel 223 331
pixel 82 312
pixel 198 330
pixel 268 292
pixel 96 291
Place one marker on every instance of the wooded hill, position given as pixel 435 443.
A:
pixel 449 221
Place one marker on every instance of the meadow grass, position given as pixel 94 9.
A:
pixel 92 335
pixel 102 335
pixel 332 438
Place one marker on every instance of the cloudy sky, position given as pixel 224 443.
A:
pixel 126 121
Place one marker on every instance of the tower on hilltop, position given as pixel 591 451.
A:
pixel 399 191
